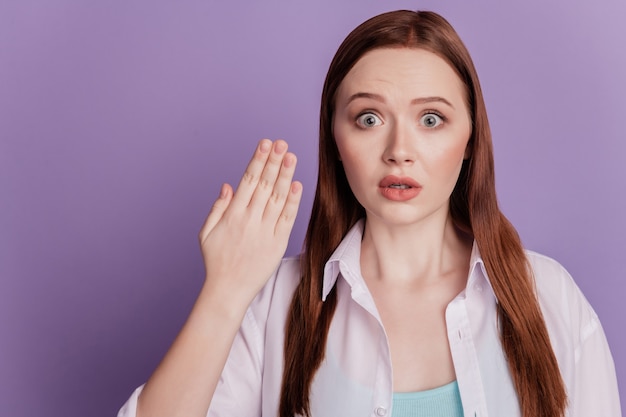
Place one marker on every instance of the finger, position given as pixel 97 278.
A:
pixel 217 211
pixel 280 192
pixel 252 175
pixel 267 182
pixel 290 210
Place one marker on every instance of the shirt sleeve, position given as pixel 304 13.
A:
pixel 578 341
pixel 240 389
pixel 129 409
pixel 595 390
pixel 238 392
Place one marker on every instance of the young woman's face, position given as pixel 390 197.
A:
pixel 402 126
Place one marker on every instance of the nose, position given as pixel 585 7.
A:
pixel 401 146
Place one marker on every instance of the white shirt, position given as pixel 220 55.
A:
pixel 355 377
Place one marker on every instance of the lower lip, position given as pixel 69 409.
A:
pixel 399 194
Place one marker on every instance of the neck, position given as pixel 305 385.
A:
pixel 417 254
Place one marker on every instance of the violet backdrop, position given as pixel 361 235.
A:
pixel 119 120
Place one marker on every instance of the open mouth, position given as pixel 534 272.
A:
pixel 397 188
pixel 398 183
pixel 400 186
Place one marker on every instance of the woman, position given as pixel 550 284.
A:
pixel 413 293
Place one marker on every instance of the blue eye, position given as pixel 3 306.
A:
pixel 431 120
pixel 368 120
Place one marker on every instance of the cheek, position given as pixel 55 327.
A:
pixel 353 164
pixel 338 136
pixel 349 153
pixel 447 162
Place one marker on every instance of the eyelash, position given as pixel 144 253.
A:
pixel 363 113
pixel 443 118
pixel 436 113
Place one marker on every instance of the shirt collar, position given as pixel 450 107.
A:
pixel 346 259
pixel 477 276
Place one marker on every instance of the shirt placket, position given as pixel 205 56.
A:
pixel 465 359
pixel 383 383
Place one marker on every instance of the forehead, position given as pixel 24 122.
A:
pixel 403 71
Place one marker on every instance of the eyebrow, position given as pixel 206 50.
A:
pixel 419 100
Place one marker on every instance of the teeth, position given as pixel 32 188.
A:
pixel 399 186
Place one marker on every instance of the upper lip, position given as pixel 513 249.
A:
pixel 395 180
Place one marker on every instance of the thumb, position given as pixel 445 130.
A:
pixel 217 211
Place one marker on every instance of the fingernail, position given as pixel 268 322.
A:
pixel 265 146
pixel 223 191
pixel 280 146
pixel 288 161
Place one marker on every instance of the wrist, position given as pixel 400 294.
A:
pixel 224 303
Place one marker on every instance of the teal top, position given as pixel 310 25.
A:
pixel 444 401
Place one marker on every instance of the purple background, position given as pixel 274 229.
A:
pixel 119 120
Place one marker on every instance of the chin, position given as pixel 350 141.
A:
pixel 407 216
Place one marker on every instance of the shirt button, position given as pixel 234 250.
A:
pixel 478 288
pixel 381 411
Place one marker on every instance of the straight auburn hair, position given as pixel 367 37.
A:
pixel 473 208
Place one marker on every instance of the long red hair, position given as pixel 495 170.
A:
pixel 473 207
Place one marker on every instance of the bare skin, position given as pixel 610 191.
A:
pixel 243 239
pixel 402 112
pixel 412 309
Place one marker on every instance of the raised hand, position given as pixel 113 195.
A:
pixel 243 239
pixel 246 233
